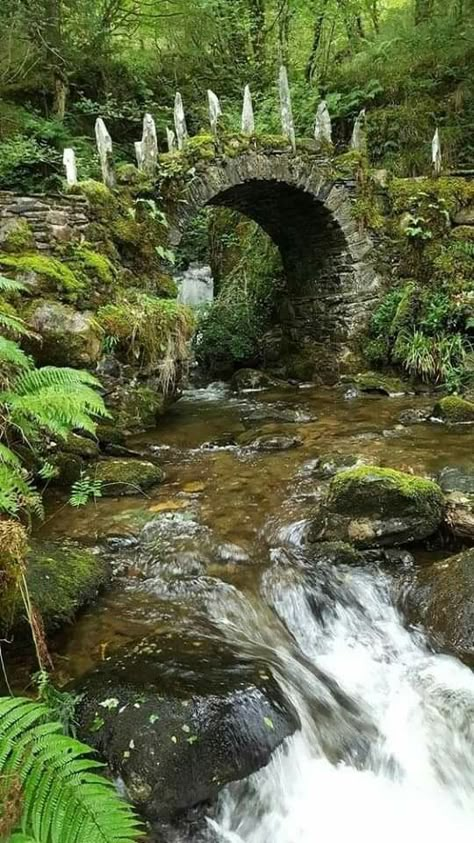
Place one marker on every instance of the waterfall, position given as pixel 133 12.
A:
pixel 195 285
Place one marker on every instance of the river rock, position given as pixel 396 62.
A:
pixel 68 337
pixel 453 479
pixel 377 507
pixel 126 477
pixel 269 441
pixel 327 465
pixel 442 599
pixel 414 416
pixel 376 383
pixel 178 716
pixel 252 379
pixel 454 410
pixel 135 407
pixel 459 515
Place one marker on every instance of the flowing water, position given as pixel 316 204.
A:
pixel 385 750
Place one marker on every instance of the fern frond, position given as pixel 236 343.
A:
pixel 9 285
pixel 64 800
pixel 12 355
pixel 49 376
pixel 14 325
pixel 17 492
pixel 8 457
pixel 56 410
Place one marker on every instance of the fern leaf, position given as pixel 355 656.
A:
pixel 14 325
pixel 12 355
pixel 8 457
pixel 9 285
pixel 64 800
pixel 49 376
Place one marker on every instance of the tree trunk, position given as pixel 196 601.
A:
pixel 284 31
pixel 317 33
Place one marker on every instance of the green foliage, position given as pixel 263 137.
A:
pixel 149 331
pixel 63 799
pixel 52 269
pixel 35 403
pixel 84 490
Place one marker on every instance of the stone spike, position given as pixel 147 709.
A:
pixel 149 146
pixel 180 121
pixel 323 126
pixel 215 110
pixel 170 139
pixel 287 123
pixel 248 119
pixel 359 137
pixel 104 146
pixel 139 154
pixel 69 161
pixel 436 153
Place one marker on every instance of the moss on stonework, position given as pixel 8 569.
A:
pixel 100 198
pixel 96 266
pixel 53 270
pixel 454 410
pixel 464 233
pixel 19 238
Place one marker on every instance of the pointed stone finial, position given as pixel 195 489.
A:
pixel 436 153
pixel 149 147
pixel 139 154
pixel 323 126
pixel 104 146
pixel 180 121
pixel 215 110
pixel 170 140
pixel 248 120
pixel 359 135
pixel 287 123
pixel 69 161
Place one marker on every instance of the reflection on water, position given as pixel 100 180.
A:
pixel 386 745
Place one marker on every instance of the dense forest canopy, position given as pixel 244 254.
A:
pixel 64 62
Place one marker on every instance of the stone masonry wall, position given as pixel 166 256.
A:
pixel 53 219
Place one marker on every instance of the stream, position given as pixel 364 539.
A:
pixel 387 725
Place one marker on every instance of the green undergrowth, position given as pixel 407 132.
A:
pixel 53 270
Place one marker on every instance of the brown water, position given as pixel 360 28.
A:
pixel 222 495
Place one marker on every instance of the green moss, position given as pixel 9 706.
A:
pixel 376 382
pixel 360 491
pixel 94 264
pixel 62 579
pixel 19 238
pixel 128 174
pixel 127 477
pixel 272 142
pixel 464 233
pixel 46 267
pixel 133 409
pixel 454 410
pixel 127 231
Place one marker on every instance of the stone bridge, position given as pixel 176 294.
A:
pixel 332 284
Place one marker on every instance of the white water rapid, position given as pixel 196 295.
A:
pixel 385 752
pixel 196 286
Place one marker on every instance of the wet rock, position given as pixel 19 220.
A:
pixel 454 410
pixel 414 416
pixel 452 479
pixel 252 379
pixel 109 367
pixel 351 393
pixel 135 407
pixel 269 441
pixel 442 599
pixel 68 337
pixel 62 579
pixel 389 556
pixel 328 465
pixel 332 553
pixel 376 507
pixel 126 476
pixel 82 446
pixel 459 516
pixel 272 413
pixel 178 716
pixel 375 382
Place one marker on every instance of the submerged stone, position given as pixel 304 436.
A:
pixel 252 379
pixel 178 716
pixel 375 382
pixel 376 507
pixel 126 476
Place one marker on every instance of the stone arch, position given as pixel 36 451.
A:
pixel 332 284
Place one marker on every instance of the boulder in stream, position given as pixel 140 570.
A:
pixel 377 383
pixel 126 476
pixel 178 716
pixel 442 599
pixel 377 507
pixel 454 410
pixel 253 379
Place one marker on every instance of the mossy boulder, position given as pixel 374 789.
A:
pixel 16 236
pixel 63 579
pixel 377 383
pixel 327 465
pixel 454 410
pixel 82 446
pixel 69 337
pixel 442 599
pixel 135 407
pixel 126 476
pixel 49 273
pixel 465 233
pixel 376 507
pixel 181 714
